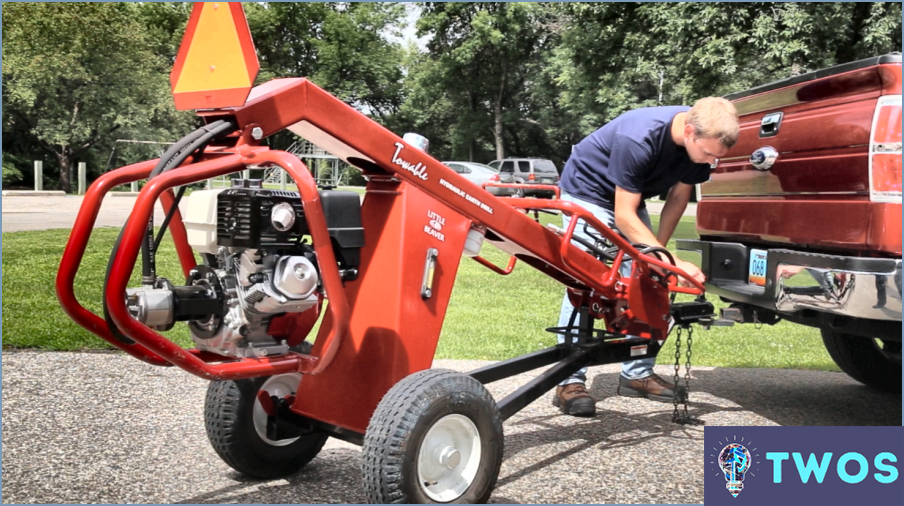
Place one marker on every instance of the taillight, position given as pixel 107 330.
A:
pixel 886 173
pixel 885 151
pixel 531 177
pixel 494 177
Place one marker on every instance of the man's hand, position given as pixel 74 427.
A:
pixel 691 270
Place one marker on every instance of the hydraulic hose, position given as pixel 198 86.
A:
pixel 214 130
pixel 644 249
pixel 172 158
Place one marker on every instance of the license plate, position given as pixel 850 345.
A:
pixel 547 181
pixel 757 274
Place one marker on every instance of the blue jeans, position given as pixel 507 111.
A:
pixel 633 369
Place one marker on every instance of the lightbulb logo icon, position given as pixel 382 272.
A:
pixel 734 460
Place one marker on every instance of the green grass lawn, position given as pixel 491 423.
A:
pixel 32 316
pixel 490 316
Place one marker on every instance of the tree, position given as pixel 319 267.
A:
pixel 284 35
pixel 338 45
pixel 355 62
pixel 615 57
pixel 10 173
pixel 165 24
pixel 74 73
pixel 478 56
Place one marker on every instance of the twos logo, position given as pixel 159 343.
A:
pixel 817 469
pixel 803 465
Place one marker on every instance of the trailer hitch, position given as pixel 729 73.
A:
pixel 699 311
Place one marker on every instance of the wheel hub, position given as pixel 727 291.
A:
pixel 448 458
pixel 281 386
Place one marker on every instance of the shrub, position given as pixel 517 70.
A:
pixel 10 173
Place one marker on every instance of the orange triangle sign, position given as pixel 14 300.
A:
pixel 216 64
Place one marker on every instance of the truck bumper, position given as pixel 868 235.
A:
pixel 857 287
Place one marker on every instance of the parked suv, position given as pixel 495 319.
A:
pixel 801 221
pixel 529 171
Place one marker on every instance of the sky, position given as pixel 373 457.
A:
pixel 408 33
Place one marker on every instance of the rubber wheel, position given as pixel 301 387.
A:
pixel 519 193
pixel 233 418
pixel 875 364
pixel 436 437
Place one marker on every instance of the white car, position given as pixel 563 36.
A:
pixel 478 174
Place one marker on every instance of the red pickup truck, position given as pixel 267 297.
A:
pixel 801 221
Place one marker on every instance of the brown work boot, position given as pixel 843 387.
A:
pixel 652 387
pixel 573 399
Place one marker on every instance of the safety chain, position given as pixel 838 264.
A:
pixel 756 321
pixel 683 418
pixel 677 374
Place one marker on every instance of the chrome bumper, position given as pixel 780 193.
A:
pixel 867 288
pixel 872 295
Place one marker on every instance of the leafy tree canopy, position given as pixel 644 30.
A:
pixel 74 73
pixel 494 78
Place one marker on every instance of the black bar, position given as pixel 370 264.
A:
pixel 614 352
pixel 519 399
pixel 148 255
pixel 335 431
pixel 599 353
pixel 518 365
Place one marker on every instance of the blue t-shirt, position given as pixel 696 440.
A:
pixel 634 151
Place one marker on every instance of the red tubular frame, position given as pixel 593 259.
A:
pixel 498 270
pixel 78 240
pixel 578 212
pixel 124 263
pixel 323 248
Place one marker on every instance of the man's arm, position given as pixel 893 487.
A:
pixel 630 225
pixel 674 207
pixel 627 221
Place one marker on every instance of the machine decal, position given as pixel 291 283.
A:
pixel 419 169
pixel 435 226
pixel 466 196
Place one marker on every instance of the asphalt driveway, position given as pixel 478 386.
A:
pixel 43 213
pixel 106 428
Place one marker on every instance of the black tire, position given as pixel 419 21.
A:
pixel 396 438
pixel 864 360
pixel 228 417
pixel 519 193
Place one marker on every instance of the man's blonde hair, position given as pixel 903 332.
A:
pixel 714 118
